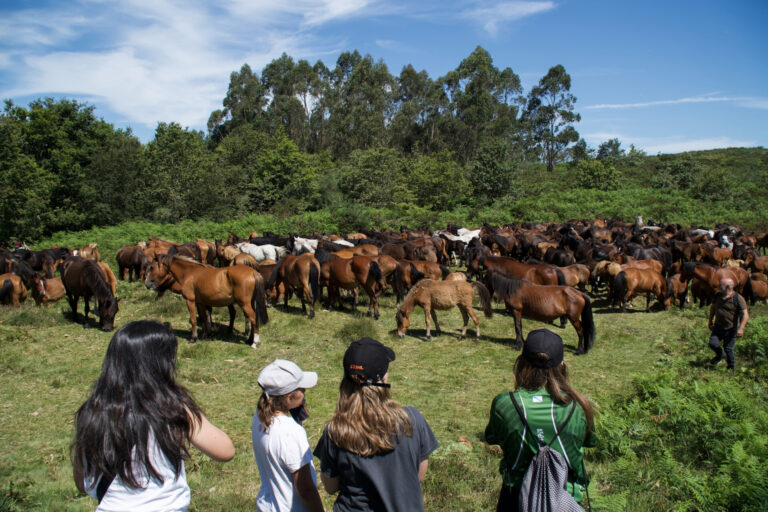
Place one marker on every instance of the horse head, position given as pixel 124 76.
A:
pixel 402 322
pixel 107 311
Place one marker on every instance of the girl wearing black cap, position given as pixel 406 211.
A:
pixel 545 397
pixel 374 452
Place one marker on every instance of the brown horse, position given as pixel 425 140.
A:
pixel 576 275
pixel 347 273
pixel 409 272
pixel 634 281
pixel 84 278
pixel 544 303
pixel 358 250
pixel 300 274
pixel 203 286
pixel 711 275
pixel 677 289
pixel 47 290
pixel 539 273
pixel 759 291
pixel 244 259
pixel 756 263
pixel 109 276
pixel 89 252
pixel 12 290
pixel 433 295
pixel 131 260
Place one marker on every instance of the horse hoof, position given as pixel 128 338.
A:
pixel 86 326
pixel 255 345
pixel 192 340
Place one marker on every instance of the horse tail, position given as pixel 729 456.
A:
pixel 6 290
pixel 275 273
pixel 587 323
pixel 397 282
pixel 748 293
pixel 259 300
pixel 619 286
pixel 416 275
pixel 375 271
pixel 314 281
pixel 485 298
pixel 560 277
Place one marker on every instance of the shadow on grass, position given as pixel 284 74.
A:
pixel 421 334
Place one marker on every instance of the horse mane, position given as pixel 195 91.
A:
pixel 95 275
pixel 25 272
pixel 502 285
pixel 275 273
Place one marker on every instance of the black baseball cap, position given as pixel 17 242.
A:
pixel 368 358
pixel 546 342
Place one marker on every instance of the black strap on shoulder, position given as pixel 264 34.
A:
pixel 101 489
pixel 558 430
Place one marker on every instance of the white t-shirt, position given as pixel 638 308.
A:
pixel 171 495
pixel 280 452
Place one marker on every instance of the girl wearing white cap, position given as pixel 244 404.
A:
pixel 288 480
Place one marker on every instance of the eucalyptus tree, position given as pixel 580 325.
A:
pixel 549 116
pixel 244 103
pixel 483 102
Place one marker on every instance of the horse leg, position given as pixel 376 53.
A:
pixel 87 310
pixel 563 320
pixel 433 314
pixel 73 304
pixel 647 302
pixel 231 309
pixel 250 315
pixel 576 323
pixel 191 306
pixel 518 314
pixel 310 299
pixel 427 313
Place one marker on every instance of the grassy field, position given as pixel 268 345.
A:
pixel 48 362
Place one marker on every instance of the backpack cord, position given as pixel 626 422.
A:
pixel 586 487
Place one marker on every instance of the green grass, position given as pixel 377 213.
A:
pixel 48 363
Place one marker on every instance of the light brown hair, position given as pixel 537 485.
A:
pixel 555 380
pixel 269 407
pixel 367 419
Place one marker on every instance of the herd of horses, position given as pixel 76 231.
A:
pixel 547 272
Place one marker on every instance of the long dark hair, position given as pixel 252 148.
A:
pixel 530 377
pixel 135 396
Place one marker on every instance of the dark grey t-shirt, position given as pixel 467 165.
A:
pixel 384 482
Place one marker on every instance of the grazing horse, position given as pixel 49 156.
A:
pixel 12 290
pixel 544 303
pixel 634 281
pixel 358 250
pixel 245 259
pixel 133 261
pixel 756 263
pixel 84 278
pixel 46 261
pixel 203 286
pixel 226 253
pixel 346 273
pixel 442 295
pixel 300 274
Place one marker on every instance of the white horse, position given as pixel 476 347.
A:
pixel 303 245
pixel 262 252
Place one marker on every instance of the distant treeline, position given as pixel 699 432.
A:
pixel 352 140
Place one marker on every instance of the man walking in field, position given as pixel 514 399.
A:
pixel 729 310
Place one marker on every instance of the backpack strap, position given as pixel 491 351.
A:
pixel 558 431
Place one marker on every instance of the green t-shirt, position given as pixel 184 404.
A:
pixel 506 429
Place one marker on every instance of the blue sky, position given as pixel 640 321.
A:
pixel 666 76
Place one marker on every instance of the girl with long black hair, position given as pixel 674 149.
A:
pixel 131 433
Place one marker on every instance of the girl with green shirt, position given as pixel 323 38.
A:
pixel 545 396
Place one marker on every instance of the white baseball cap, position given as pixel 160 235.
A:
pixel 281 377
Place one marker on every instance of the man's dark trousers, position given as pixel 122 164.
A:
pixel 723 339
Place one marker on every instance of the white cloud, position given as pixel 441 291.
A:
pixel 150 60
pixel 673 144
pixel 743 101
pixel 491 17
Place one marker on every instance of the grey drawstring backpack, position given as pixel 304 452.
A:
pixel 544 484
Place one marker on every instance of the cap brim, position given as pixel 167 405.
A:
pixel 308 380
pixel 389 352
